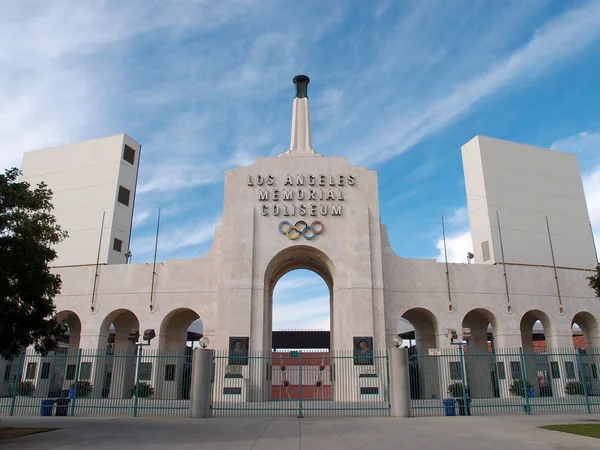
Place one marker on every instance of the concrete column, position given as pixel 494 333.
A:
pixel 400 387
pixel 201 383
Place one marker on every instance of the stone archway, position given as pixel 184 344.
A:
pixel 287 260
pixel 292 258
pixel 174 328
pixel 173 370
pixel 115 374
pixel 478 321
pixel 480 360
pixel 425 325
pixel 73 335
pixel 590 329
pixel 422 383
pixel 528 321
pixel 122 320
pixel 536 357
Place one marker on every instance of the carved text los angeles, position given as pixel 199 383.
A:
pixel 268 193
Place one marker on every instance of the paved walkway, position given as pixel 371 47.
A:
pixel 452 433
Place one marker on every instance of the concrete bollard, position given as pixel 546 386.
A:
pixel 400 382
pixel 201 383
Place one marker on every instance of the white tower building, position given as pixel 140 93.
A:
pixel 89 180
pixel 539 200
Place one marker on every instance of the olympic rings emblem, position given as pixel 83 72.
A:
pixel 301 228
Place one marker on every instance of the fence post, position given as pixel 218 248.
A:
pixel 399 384
pixel 17 380
pixel 76 383
pixel 300 415
pixel 136 391
pixel 201 383
pixel 524 381
pixel 582 376
pixel 466 406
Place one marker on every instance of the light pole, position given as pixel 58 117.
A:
pixel 397 341
pixel 204 341
pixel 466 334
pixel 134 335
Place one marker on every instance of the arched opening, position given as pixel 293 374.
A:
pixel 424 324
pixel 481 370
pixel 586 339
pixel 586 334
pixel 481 324
pixel 301 280
pixel 179 329
pixel 116 371
pixel 72 337
pixel 535 331
pixel 179 332
pixel 301 312
pixel 114 331
pixel 536 338
pixel 60 368
pixel 302 260
pixel 424 327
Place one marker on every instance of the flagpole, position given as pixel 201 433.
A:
pixel 447 269
pixel 554 266
pixel 503 261
pixel 92 307
pixel 154 263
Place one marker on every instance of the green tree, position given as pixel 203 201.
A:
pixel 595 281
pixel 28 232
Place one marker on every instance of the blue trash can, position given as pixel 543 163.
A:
pixel 531 392
pixel 46 409
pixel 449 406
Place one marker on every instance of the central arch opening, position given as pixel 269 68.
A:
pixel 298 328
pixel 301 312
pixel 302 278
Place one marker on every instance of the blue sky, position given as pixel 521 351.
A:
pixel 397 86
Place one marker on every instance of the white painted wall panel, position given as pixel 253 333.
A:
pixel 84 178
pixel 525 184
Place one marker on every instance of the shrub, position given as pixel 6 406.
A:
pixel 517 387
pixel 25 388
pixel 456 389
pixel 83 388
pixel 574 388
pixel 145 390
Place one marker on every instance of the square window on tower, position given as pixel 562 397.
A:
pixel 129 154
pixel 123 196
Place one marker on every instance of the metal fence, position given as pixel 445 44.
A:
pixel 134 382
pixel 458 381
pixel 300 384
pixel 506 381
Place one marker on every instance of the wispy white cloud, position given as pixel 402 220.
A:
pixel 140 217
pixel 549 47
pixel 172 239
pixel 288 285
pixel 459 217
pixel 170 177
pixel 457 246
pixel 586 145
pixel 306 314
pixel 591 185
pixel 458 237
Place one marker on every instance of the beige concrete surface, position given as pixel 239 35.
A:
pixel 472 433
